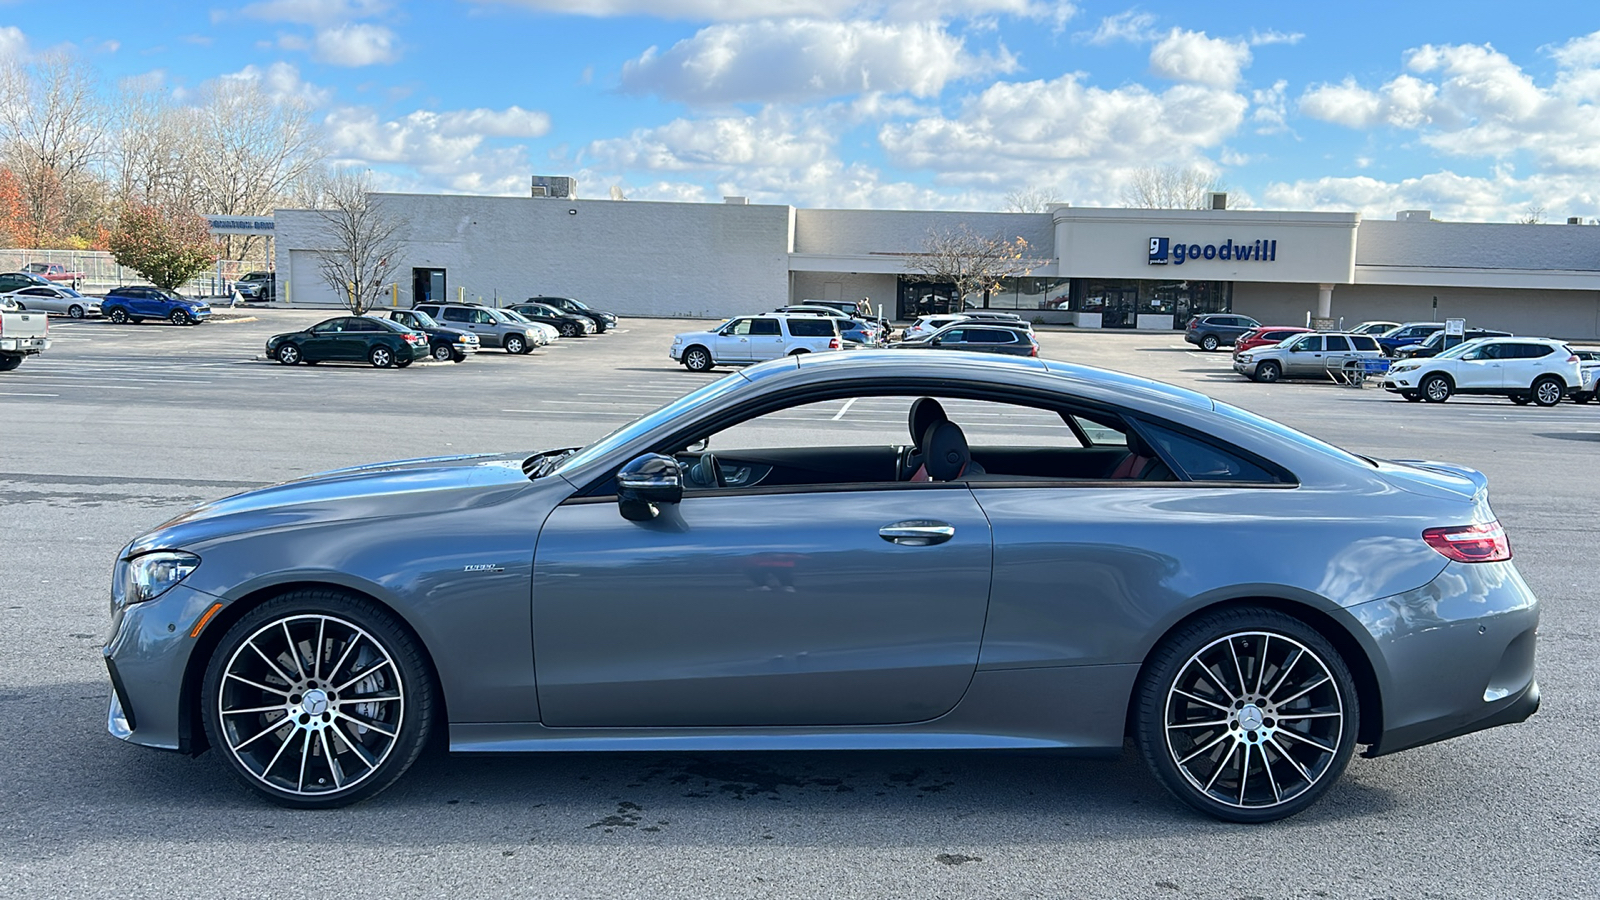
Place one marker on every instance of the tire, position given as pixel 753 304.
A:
pixel 377 692
pixel 179 317
pixel 1436 389
pixel 568 329
pixel 515 344
pixel 7 363
pixel 1269 372
pixel 599 327
pixel 1209 343
pixel 381 357
pixel 74 311
pixel 289 354
pixel 698 359
pixel 442 353
pixel 1411 396
pixel 1213 714
pixel 458 357
pixel 118 316
pixel 1549 390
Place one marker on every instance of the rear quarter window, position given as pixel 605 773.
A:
pixel 1202 460
pixel 811 327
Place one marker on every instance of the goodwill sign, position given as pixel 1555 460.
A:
pixel 1165 250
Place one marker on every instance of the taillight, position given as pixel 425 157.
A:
pixel 1470 543
pixel 1572 358
pixel 833 343
pixel 1034 350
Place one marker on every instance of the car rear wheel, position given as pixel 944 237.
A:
pixel 1436 389
pixel 1268 372
pixel 515 344
pixel 75 311
pixel 7 363
pixel 179 317
pixel 697 359
pixel 381 357
pixel 318 699
pixel 443 353
pixel 1247 714
pixel 1210 342
pixel 289 354
pixel 118 316
pixel 1548 391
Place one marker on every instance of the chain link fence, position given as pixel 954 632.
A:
pixel 100 273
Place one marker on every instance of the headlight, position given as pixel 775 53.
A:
pixel 149 575
pixel 1244 357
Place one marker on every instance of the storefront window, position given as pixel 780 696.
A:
pixel 1119 300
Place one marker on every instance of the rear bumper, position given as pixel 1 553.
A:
pixel 24 345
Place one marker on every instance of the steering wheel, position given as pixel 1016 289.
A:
pixel 707 472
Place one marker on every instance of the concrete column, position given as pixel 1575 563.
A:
pixel 1324 301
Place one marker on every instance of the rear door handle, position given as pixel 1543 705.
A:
pixel 917 532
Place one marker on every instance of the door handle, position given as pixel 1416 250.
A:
pixel 917 532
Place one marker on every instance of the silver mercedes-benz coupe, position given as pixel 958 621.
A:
pixel 1051 556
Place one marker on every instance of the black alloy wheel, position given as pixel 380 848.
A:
pixel 697 359
pixel 179 317
pixel 289 354
pixel 442 352
pixel 1436 388
pixel 74 311
pixel 381 357
pixel 318 699
pixel 1548 391
pixel 1210 343
pixel 1268 372
pixel 118 316
pixel 516 344
pixel 1247 714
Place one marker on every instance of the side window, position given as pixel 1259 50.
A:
pixel 480 317
pixel 1364 342
pixel 359 324
pixel 1100 435
pixel 1534 351
pixel 457 315
pixel 1337 343
pixel 1203 461
pixel 810 328
pixel 738 327
pixel 764 327
pixel 1307 345
pixel 39 292
pixel 954 336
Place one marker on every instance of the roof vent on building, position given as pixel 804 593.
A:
pixel 555 186
pixel 736 201
pixel 1574 220
pixel 1216 200
pixel 1414 215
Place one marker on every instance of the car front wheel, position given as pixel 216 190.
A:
pixel 1268 372
pixel 697 359
pixel 1436 389
pixel 318 699
pixel 516 344
pixel 569 330
pixel 1210 342
pixel 289 354
pixel 443 353
pixel 179 317
pixel 1548 391
pixel 1247 714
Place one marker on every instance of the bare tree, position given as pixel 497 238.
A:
pixel 360 237
pixel 974 263
pixel 1031 200
pixel 1533 215
pixel 1169 187
pixel 153 157
pixel 54 130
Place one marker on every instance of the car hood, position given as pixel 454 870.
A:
pixel 396 489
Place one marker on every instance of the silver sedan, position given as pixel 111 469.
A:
pixel 1106 558
pixel 57 299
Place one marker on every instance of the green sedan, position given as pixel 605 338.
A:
pixel 381 342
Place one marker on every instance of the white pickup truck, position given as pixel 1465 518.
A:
pixel 22 334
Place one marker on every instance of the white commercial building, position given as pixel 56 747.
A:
pixel 1093 268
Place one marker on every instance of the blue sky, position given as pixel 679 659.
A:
pixel 1475 110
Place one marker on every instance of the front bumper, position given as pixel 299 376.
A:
pixel 1395 382
pixel 1247 369
pixel 1453 656
pixel 146 658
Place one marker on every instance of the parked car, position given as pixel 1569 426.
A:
pixel 380 342
pixel 602 320
pixel 1166 589
pixel 1306 356
pixel 492 326
pixel 744 340
pixel 1409 333
pixel 1537 370
pixel 1589 367
pixel 1214 330
pixel 923 326
pixel 548 333
pixel 55 298
pixel 16 281
pixel 136 303
pixel 259 287
pixel 54 272
pixel 1374 328
pixel 1265 335
pixel 978 336
pixel 860 310
pixel 1439 341
pixel 444 344
pixel 22 334
pixel 566 324
pixel 860 331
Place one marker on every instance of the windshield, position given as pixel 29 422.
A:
pixel 511 315
pixel 578 303
pixel 649 422
pixel 170 295
pixel 423 320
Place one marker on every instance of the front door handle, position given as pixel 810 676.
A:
pixel 917 532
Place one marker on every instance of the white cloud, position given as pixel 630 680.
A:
pixel 805 59
pixel 1271 112
pixel 437 150
pixel 314 12
pixel 13 43
pixel 282 83
pixel 1499 197
pixel 1131 26
pixel 1192 56
pixel 1058 11
pixel 356 45
pixel 1272 36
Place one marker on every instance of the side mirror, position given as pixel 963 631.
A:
pixel 645 482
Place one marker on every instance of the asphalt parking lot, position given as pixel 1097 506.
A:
pixel 116 429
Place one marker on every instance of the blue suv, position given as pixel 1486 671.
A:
pixel 135 304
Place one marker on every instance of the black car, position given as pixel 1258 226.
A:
pixel 381 342
pixel 1438 342
pixel 602 320
pixel 568 324
pixel 444 344
pixel 1215 330
pixel 978 337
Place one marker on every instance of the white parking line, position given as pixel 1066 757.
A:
pixel 24 394
pixel 844 409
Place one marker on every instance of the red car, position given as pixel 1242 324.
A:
pixel 1264 336
pixel 53 272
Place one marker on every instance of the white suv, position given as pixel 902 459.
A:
pixel 1539 370
pixel 744 340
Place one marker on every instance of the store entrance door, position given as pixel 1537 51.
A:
pixel 925 298
pixel 1122 306
pixel 427 285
